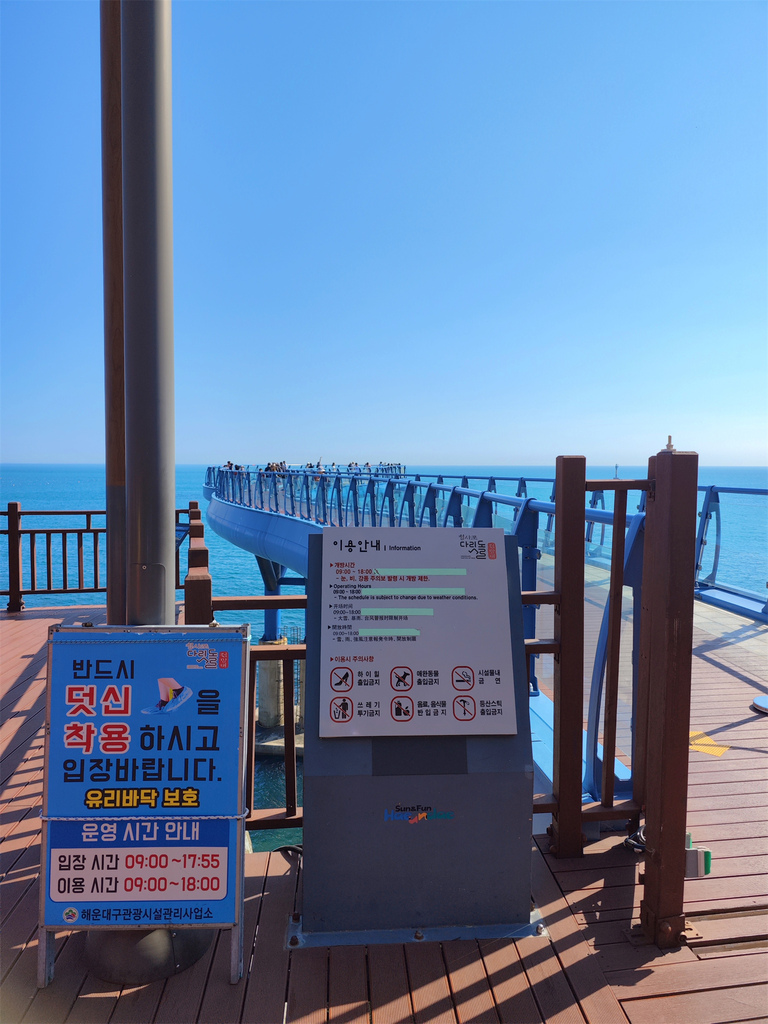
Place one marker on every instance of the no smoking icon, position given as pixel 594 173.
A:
pixel 463 678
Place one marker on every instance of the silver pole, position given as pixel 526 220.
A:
pixel 140 957
pixel 148 288
pixel 114 376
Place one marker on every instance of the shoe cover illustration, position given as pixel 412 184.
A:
pixel 172 696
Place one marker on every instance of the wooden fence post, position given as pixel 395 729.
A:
pixel 568 679
pixel 15 600
pixel 198 590
pixel 666 645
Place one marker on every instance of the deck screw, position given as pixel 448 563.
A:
pixel 295 918
pixel 539 929
pixel 418 936
pixel 293 941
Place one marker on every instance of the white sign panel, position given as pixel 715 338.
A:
pixel 415 634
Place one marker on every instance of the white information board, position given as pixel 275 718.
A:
pixel 415 637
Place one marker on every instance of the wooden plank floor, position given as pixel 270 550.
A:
pixel 585 969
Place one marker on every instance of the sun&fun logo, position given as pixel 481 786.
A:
pixel 416 813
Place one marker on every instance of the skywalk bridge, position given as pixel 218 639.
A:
pixel 272 513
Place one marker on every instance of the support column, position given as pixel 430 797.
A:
pixel 270 673
pixel 15 600
pixel 143 956
pixel 568 682
pixel 114 358
pixel 666 651
pixel 148 296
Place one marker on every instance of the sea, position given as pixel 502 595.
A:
pixel 38 487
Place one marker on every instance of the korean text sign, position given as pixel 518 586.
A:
pixel 144 787
pixel 415 636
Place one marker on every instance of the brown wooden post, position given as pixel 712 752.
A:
pixel 611 692
pixel 668 599
pixel 569 664
pixel 640 752
pixel 198 591
pixel 15 600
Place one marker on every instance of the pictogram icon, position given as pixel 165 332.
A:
pixel 342 709
pixel 401 677
pixel 341 679
pixel 464 709
pixel 402 709
pixel 463 678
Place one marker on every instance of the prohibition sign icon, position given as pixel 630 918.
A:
pixel 342 709
pixel 401 709
pixel 401 677
pixel 341 679
pixel 464 709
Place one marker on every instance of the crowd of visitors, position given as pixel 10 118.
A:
pixel 382 469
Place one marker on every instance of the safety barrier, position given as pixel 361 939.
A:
pixel 65 557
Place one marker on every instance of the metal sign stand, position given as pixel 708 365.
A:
pixel 417 739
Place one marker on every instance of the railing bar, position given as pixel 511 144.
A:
pixel 272 652
pixel 33 561
pixel 616 485
pixel 289 738
pixel 250 757
pixel 616 594
pixel 80 561
pixel 49 560
pixel 96 567
pixel 64 560
pixel 540 597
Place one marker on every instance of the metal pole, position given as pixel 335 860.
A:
pixel 114 376
pixel 148 289
pixel 141 957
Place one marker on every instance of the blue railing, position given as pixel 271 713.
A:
pixel 717 578
pixel 387 496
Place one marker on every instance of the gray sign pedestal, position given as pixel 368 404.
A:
pixel 419 837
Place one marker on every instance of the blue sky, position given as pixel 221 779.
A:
pixel 438 233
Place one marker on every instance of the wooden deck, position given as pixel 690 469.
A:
pixel 585 969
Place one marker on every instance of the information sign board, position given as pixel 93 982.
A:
pixel 144 785
pixel 415 637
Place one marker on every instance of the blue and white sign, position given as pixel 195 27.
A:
pixel 144 782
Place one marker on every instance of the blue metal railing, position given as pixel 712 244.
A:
pixel 720 591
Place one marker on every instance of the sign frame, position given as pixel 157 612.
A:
pixel 415 619
pixel 151 818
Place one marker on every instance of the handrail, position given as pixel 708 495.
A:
pixel 25 555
